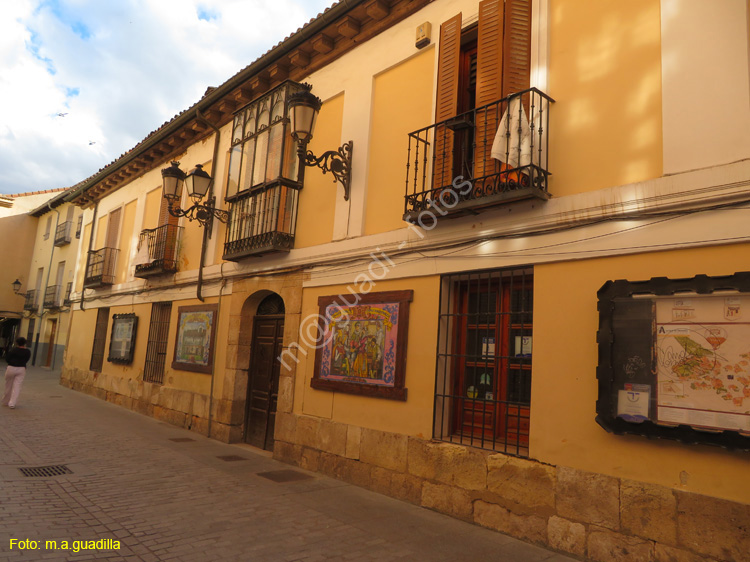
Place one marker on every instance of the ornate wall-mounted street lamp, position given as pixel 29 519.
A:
pixel 197 181
pixel 16 287
pixel 303 109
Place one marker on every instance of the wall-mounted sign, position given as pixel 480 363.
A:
pixel 194 348
pixel 122 339
pixel 675 359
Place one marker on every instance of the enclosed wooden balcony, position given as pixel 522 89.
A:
pixel 100 268
pixel 160 253
pixel 489 156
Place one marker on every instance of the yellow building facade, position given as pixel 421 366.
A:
pixel 518 300
pixel 47 295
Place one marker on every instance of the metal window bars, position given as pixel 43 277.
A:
pixel 156 349
pixel 483 368
pixel 63 233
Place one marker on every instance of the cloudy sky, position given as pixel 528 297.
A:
pixel 83 81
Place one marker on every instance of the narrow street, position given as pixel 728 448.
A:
pixel 122 486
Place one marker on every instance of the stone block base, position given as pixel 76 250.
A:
pixel 169 405
pixel 591 516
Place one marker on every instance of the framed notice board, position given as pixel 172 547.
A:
pixel 674 359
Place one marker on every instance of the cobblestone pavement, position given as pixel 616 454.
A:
pixel 168 494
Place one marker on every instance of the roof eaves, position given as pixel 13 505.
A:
pixel 315 25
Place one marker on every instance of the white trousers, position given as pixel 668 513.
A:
pixel 13 380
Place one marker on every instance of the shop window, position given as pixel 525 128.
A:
pixel 483 376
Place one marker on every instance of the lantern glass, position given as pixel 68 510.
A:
pixel 172 180
pixel 303 109
pixel 197 182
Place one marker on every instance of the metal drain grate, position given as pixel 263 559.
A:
pixel 42 471
pixel 284 475
pixel 181 439
pixel 230 458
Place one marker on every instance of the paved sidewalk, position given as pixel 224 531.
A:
pixel 168 494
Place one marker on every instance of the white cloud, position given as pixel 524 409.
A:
pixel 117 71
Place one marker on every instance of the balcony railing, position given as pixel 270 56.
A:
pixel 63 233
pixel 262 221
pixel 161 247
pixel 490 155
pixel 100 268
pixel 52 297
pixel 30 302
pixel 68 290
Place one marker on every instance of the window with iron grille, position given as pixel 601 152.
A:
pixel 79 226
pixel 483 374
pixel 156 350
pixel 100 338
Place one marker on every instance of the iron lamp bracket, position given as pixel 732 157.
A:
pixel 204 214
pixel 338 162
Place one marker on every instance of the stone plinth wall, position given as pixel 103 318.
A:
pixel 588 515
pixel 181 408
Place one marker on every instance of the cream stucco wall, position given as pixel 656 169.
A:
pixel 401 103
pixel 706 87
pixel 605 75
pixel 564 385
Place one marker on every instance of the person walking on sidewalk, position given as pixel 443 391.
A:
pixel 16 371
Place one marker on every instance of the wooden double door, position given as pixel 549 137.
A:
pixel 263 380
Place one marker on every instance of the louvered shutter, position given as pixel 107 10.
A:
pixel 447 100
pixel 517 46
pixel 489 83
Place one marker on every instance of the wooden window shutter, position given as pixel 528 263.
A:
pixel 446 100
pixel 113 228
pixel 503 68
pixel 489 82
pixel 164 216
pixel 517 46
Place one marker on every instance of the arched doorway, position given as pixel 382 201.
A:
pixel 263 373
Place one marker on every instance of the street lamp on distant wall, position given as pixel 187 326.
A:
pixel 16 287
pixel 197 181
pixel 303 110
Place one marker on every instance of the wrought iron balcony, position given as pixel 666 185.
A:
pixel 490 155
pixel 30 302
pixel 63 233
pixel 160 254
pixel 100 268
pixel 52 297
pixel 262 221
pixel 68 290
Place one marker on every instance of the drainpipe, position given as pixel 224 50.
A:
pixel 40 311
pixel 91 244
pixel 217 136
